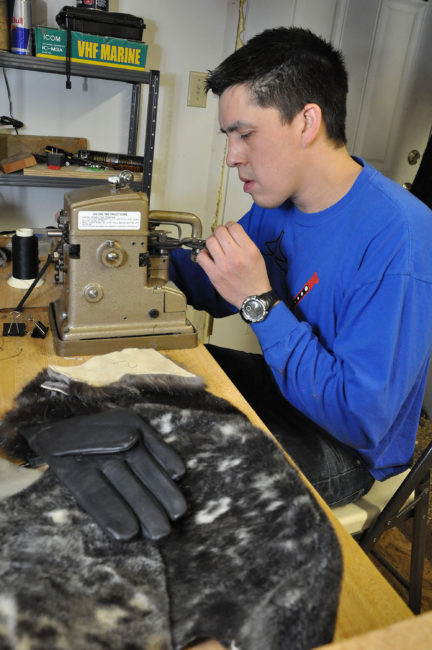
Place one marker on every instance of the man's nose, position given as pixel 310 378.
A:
pixel 234 155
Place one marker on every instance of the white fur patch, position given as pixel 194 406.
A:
pixel 59 517
pixel 292 596
pixel 213 510
pixel 228 463
pixel 274 505
pixel 264 481
pixel 288 545
pixel 140 601
pixel 301 500
pixel 242 535
pixel 110 616
pixel 165 423
pixel 185 415
pixel 230 429
pixel 8 618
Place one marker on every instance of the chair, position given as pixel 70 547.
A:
pixel 386 505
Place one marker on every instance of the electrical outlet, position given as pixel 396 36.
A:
pixel 196 92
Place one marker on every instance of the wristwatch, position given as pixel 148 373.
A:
pixel 255 309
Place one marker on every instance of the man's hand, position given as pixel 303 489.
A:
pixel 117 467
pixel 234 264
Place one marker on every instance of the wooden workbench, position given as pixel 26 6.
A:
pixel 367 600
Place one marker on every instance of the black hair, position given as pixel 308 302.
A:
pixel 288 67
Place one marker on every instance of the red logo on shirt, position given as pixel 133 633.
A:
pixel 307 287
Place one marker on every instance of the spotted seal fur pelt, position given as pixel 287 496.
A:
pixel 254 563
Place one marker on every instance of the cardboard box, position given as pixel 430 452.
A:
pixel 87 48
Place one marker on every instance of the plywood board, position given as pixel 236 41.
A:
pixel 74 171
pixel 12 144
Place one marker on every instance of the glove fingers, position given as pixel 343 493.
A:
pixel 166 456
pixel 157 481
pixel 97 497
pixel 126 419
pixel 154 522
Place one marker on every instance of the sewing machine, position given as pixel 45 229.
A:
pixel 112 264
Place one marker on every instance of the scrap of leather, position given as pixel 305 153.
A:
pixel 105 369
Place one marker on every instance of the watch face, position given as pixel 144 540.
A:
pixel 253 309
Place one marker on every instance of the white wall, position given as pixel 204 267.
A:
pixel 182 35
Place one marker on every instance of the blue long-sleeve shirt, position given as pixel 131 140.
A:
pixel 350 342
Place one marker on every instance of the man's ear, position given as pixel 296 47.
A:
pixel 311 120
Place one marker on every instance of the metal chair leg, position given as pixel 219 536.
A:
pixel 395 512
pixel 418 546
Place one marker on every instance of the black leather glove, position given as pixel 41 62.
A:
pixel 117 467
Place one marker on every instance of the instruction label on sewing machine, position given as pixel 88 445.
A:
pixel 101 220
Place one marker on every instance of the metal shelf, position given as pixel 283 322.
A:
pixel 39 64
pixel 18 179
pixel 134 77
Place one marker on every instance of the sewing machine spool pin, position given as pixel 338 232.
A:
pixel 113 268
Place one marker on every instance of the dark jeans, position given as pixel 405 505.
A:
pixel 336 473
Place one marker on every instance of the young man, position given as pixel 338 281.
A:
pixel 332 268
